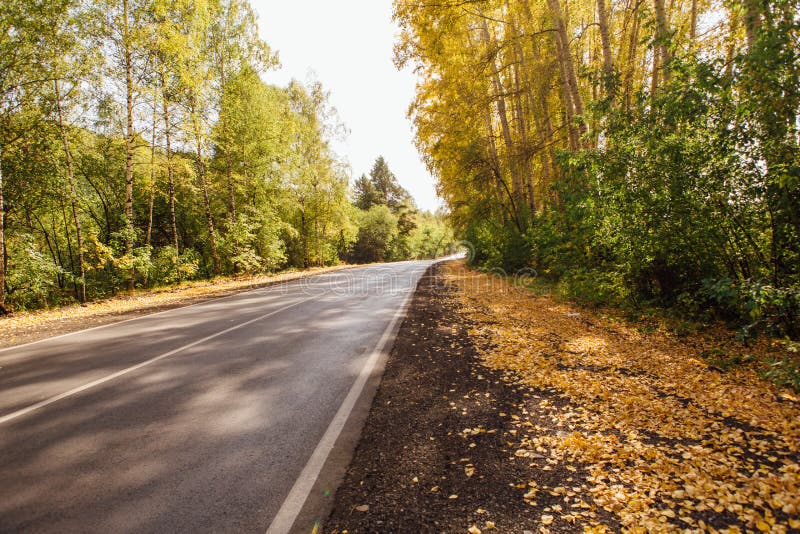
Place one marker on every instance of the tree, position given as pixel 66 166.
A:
pixel 236 48
pixel 71 63
pixel 376 230
pixel 384 182
pixel 139 146
pixel 22 72
pixel 615 147
pixel 365 195
pixel 195 80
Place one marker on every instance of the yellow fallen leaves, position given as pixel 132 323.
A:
pixel 664 442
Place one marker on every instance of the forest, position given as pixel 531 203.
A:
pixel 140 146
pixel 631 152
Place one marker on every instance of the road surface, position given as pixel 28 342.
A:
pixel 198 419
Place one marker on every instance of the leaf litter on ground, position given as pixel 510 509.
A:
pixel 666 442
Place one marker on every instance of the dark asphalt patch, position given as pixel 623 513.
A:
pixel 440 426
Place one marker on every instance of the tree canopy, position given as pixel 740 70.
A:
pixel 630 151
pixel 139 146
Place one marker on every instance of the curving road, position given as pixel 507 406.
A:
pixel 215 417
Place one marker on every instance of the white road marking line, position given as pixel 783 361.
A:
pixel 290 509
pixel 94 383
pixel 210 300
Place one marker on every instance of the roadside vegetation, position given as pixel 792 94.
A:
pixel 140 147
pixel 641 155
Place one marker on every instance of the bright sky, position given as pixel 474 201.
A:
pixel 347 45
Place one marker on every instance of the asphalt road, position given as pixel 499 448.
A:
pixel 198 419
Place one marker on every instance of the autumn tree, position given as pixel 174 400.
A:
pixel 140 146
pixel 616 147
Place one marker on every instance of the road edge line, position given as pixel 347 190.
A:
pixel 284 520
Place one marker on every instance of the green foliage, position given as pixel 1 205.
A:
pixel 753 305
pixel 34 278
pixel 235 173
pixel 387 189
pixel 627 161
pixel 431 237
pixel 596 287
pixel 253 244
pixel 498 247
pixel 377 228
pixel 389 226
pixel 365 195
pixel 677 210
pixel 164 271
pixel 785 371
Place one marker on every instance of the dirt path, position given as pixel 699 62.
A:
pixel 501 410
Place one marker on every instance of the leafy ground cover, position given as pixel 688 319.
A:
pixel 598 426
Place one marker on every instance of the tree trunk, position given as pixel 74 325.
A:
pixel 520 116
pixel 73 197
pixel 654 72
pixel 226 148
pixel 511 152
pixel 152 199
pixel 608 61
pixel 201 174
pixel 573 133
pixel 631 61
pixel 731 46
pixel 170 175
pixel 521 90
pixel 752 21
pixel 544 133
pixel 129 133
pixel 568 65
pixel 3 253
pixel 502 112
pixel 502 187
pixel 304 233
pixel 662 45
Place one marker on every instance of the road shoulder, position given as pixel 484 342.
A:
pixel 502 410
pixel 434 451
